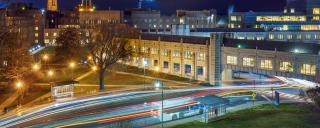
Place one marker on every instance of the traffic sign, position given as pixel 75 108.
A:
pixel 254 95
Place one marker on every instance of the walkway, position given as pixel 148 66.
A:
pixel 9 101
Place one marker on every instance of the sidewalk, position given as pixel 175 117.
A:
pixel 9 101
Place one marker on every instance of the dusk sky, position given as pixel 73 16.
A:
pixel 169 6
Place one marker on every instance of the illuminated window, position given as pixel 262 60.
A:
pixel 271 36
pixel 316 11
pixel 249 62
pixel 46 41
pixel 201 56
pixel 292 10
pixel 46 34
pixel 233 18
pixel 54 34
pixel 36 28
pixel 308 36
pixel 310 27
pixel 280 36
pixel 289 36
pixel 36 34
pixel 188 55
pixel 176 53
pixel 165 52
pixel 144 50
pixel 154 51
pixel 299 37
pixel 280 18
pixel 266 64
pixel 308 69
pixel 286 66
pixel 285 27
pixel 233 60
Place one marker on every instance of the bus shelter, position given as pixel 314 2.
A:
pixel 64 89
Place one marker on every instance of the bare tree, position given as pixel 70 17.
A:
pixel 69 45
pixel 108 44
pixel 15 59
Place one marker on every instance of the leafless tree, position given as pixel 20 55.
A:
pixel 108 44
pixel 15 59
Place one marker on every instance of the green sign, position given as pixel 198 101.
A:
pixel 254 95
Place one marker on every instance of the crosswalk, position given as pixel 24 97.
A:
pixel 287 96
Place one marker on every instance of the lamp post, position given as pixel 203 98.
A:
pixel 72 66
pixel 19 86
pixel 158 85
pixel 144 73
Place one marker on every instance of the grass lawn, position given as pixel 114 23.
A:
pixel 63 74
pixel 116 79
pixel 266 116
pixel 135 70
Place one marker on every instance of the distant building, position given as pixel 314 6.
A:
pixel 298 15
pixel 152 20
pixel 24 19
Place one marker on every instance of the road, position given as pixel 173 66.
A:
pixel 101 110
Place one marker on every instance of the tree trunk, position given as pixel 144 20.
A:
pixel 101 79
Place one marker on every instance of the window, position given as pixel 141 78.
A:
pixel 165 64
pixel 271 36
pixel 280 36
pixel 154 51
pixel 188 55
pixel 36 28
pixel 155 63
pixel 286 66
pixel 233 18
pixel 165 52
pixel 176 67
pixel 46 41
pixel 135 60
pixel 316 11
pixel 308 36
pixel 249 62
pixel 232 60
pixel 200 71
pixel 176 53
pixel 46 34
pixel 187 69
pixel 144 50
pixel 308 69
pixel 201 56
pixel 299 37
pixel 289 36
pixel 36 35
pixel 54 34
pixel 266 64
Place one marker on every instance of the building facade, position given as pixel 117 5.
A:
pixel 213 59
pixel 24 19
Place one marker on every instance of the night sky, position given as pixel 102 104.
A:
pixel 169 6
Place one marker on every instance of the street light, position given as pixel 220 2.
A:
pixel 45 57
pixel 94 68
pixel 159 84
pixel 72 65
pixel 50 73
pixel 36 67
pixel 89 57
pixel 157 68
pixel 19 85
pixel 145 63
